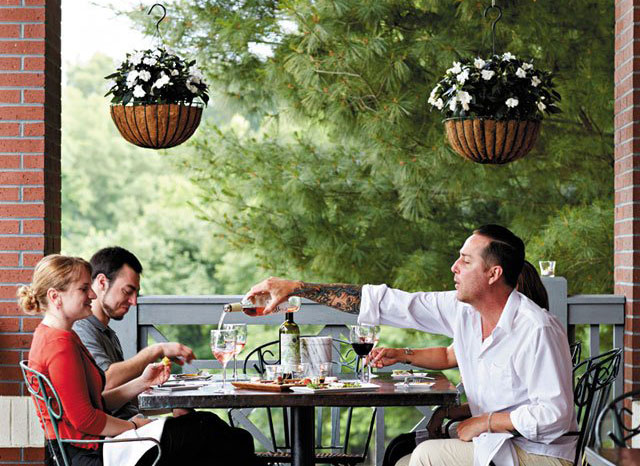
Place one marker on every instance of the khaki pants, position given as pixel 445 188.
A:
pixel 450 452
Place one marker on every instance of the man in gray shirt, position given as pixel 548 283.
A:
pixel 116 281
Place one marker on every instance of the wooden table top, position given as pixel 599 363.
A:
pixel 442 392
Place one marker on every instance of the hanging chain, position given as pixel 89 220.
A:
pixel 164 15
pixel 493 25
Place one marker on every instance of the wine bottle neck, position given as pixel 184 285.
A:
pixel 289 317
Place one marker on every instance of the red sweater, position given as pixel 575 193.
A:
pixel 61 356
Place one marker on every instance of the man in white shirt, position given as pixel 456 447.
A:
pixel 513 356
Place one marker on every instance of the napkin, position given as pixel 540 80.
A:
pixel 128 453
pixel 494 447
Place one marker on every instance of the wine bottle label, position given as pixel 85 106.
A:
pixel 289 349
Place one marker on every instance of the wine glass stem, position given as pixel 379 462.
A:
pixel 362 368
pixel 235 368
pixel 224 376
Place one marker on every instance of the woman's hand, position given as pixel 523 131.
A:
pixel 381 357
pixel 155 374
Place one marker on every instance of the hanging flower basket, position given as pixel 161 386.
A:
pixel 492 141
pixel 494 107
pixel 158 98
pixel 156 126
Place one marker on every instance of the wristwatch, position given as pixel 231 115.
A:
pixel 407 352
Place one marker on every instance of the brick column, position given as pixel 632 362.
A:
pixel 29 189
pixel 627 179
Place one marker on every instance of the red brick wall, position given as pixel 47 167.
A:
pixel 627 179
pixel 29 174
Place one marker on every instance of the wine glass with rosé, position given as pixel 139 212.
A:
pixel 223 346
pixel 241 341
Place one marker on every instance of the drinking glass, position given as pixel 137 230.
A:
pixel 376 339
pixel 547 268
pixel 362 338
pixel 241 341
pixel 223 345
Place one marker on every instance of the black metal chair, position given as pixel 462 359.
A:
pixel 45 396
pixel 593 379
pixel 622 429
pixel 337 452
pixel 576 352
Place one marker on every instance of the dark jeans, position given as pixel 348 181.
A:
pixel 198 438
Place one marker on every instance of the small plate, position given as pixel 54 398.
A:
pixel 415 375
pixel 190 377
pixel 414 385
pixel 178 386
pixel 365 387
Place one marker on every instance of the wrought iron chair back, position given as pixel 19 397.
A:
pixel 576 352
pixel 344 359
pixel 45 397
pixel 622 421
pixel 594 377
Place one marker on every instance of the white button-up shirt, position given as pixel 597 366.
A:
pixel 524 366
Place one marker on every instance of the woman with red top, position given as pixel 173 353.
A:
pixel 61 289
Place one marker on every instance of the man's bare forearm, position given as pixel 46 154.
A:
pixel 341 296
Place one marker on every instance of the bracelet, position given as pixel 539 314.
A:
pixel 135 426
pixel 489 431
pixel 407 352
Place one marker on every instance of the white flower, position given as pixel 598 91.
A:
pixel 138 91
pixel 149 61
pixel 456 68
pixel 453 103
pixel 439 104
pixel 157 53
pixel 521 73
pixel 464 98
pixel 512 102
pixel 479 63
pixel 487 74
pixel 136 58
pixel 541 106
pixel 132 77
pixel 174 72
pixel 190 85
pixel 161 81
pixel 462 77
pixel 527 66
pixel 144 75
pixel 535 81
pixel 508 56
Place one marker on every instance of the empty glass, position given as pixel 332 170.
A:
pixel 547 268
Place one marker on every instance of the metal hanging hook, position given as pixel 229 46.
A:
pixel 495 21
pixel 164 15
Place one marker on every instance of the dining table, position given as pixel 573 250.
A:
pixel 612 456
pixel 302 405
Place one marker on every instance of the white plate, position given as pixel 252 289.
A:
pixel 365 387
pixel 178 386
pixel 415 375
pixel 189 377
pixel 414 385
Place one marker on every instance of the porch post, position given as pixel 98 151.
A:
pixel 29 197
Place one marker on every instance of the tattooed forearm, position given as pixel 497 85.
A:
pixel 338 295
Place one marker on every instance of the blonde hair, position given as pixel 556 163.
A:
pixel 53 271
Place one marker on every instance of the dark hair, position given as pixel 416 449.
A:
pixel 530 285
pixel 109 261
pixel 505 250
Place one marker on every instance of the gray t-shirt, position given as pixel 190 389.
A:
pixel 104 345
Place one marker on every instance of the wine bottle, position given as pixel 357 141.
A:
pixel 255 306
pixel 289 336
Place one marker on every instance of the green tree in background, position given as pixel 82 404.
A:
pixel 343 173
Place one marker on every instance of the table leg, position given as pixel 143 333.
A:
pixel 302 441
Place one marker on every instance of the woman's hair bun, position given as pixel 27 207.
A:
pixel 27 300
